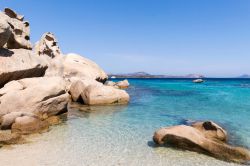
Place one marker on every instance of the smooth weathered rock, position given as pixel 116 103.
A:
pixel 101 95
pixel 7 120
pixel 122 84
pixel 41 95
pixel 29 125
pixel 20 30
pixel 198 140
pixel 110 83
pixel 20 63
pixel 211 130
pixel 48 46
pixel 54 120
pixel 78 86
pixel 7 138
pixel 78 66
pixel 5 32
pixel 73 65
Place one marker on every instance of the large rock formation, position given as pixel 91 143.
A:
pixel 73 65
pixel 20 30
pixel 101 95
pixel 41 96
pixel 78 86
pixel 77 66
pixel 35 84
pixel 20 63
pixel 91 92
pixel 48 46
pixel 203 137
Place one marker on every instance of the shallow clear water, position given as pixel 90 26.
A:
pixel 122 135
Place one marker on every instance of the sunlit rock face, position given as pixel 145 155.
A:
pixel 48 46
pixel 203 137
pixel 20 30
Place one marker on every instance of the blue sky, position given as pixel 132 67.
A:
pixel 176 37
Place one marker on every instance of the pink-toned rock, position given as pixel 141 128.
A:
pixel 20 63
pixel 20 30
pixel 78 86
pixel 122 84
pixel 41 95
pixel 48 46
pixel 208 140
pixel 28 125
pixel 101 95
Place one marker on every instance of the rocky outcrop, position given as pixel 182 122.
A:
pixel 5 32
pixel 77 66
pixel 79 85
pixel 48 46
pixel 120 84
pixel 20 63
pixel 91 92
pixel 73 65
pixel 101 95
pixel 110 83
pixel 211 130
pixel 202 137
pixel 41 96
pixel 35 85
pixel 20 30
pixel 123 84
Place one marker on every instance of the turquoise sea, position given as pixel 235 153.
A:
pixel 122 135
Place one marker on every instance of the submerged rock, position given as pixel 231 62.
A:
pixel 7 138
pixel 202 137
pixel 20 63
pixel 53 120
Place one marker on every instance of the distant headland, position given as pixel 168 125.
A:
pixel 142 74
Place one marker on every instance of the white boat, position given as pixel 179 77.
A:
pixel 198 81
pixel 112 77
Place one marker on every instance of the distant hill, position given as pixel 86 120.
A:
pixel 244 76
pixel 147 75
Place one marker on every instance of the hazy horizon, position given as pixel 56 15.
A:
pixel 173 37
